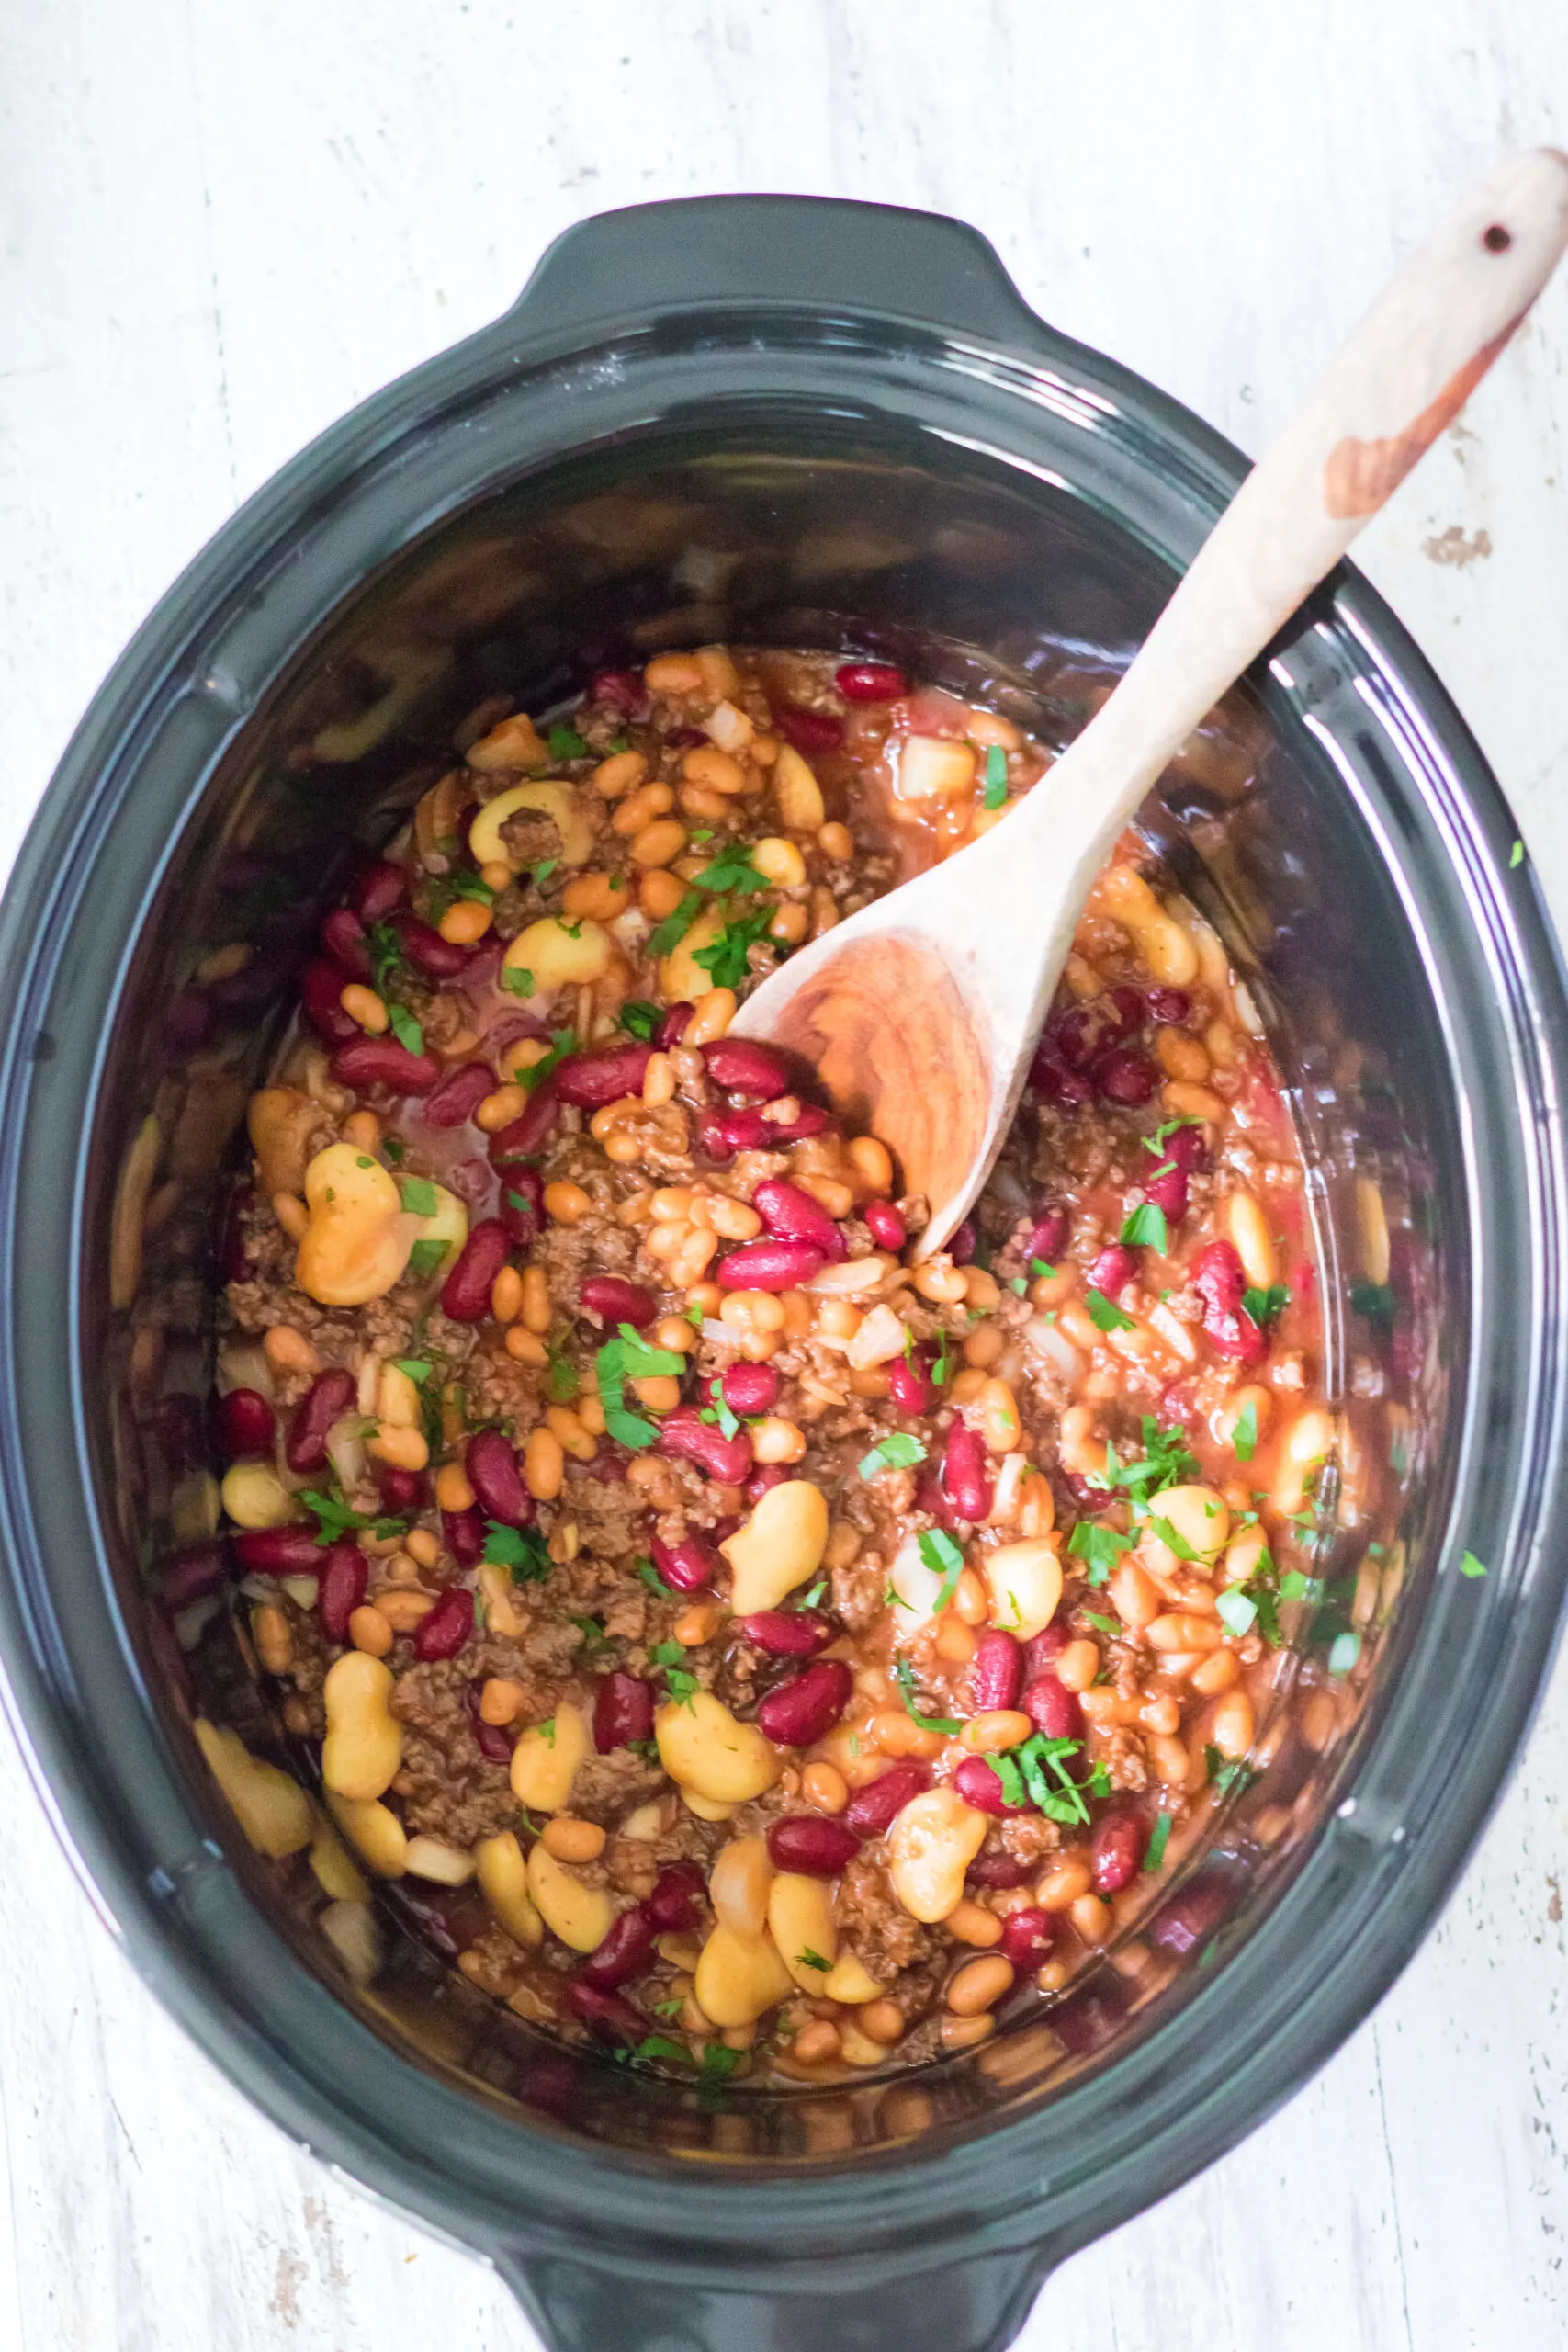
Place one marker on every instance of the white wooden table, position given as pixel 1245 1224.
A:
pixel 222 221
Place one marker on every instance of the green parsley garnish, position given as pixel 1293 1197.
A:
pixel 1041 1270
pixel 547 1731
pixel 417 1368
pixel 1159 1839
pixel 1030 1767
pixel 1145 1228
pixel 609 1373
pixel 719 2062
pixel 641 1019
pixel 944 1558
pixel 1172 1538
pixel 1236 1610
pixel 1224 1777
pixel 542 872
pixel 653 1580
pixel 904 1675
pixel 1295 1585
pixel 1104 1314
pixel 406 1029
pixel 809 1958
pixel 996 790
pixel 394 1148
pixel 1264 1305
pixel 426 1256
pixel 643 1360
pixel 387 957
pixel 1099 1548
pixel 1471 1566
pixel 673 929
pixel 521 1549
pixel 334 1519
pixel 727 960
pixel 516 980
pixel 809 1598
pixel 561 1383
pixel 681 1683
pixel 1374 1300
pixel 1244 1436
pixel 1156 1142
pixel 565 743
pixel 899 1452
pixel 417 1194
pixel 562 1043
pixel 594 1637
pixel 1109 1625
pixel 732 870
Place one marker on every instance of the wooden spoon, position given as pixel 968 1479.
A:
pixel 921 1014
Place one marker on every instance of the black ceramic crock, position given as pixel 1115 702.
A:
pixel 769 419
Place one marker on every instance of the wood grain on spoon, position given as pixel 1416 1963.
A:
pixel 921 1011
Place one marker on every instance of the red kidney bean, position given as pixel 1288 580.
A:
pixel 910 1383
pixel 686 738
pixel 1113 1268
pixel 996 1673
pixel 1027 1937
pixel 741 1066
pixel 1049 1076
pixel 342 936
pixel 978 1785
pixel 870 682
pixel 677 1891
pixel 376 891
pixel 521 1206
pixel 623 1711
pixel 590 1081
pixel 437 958
pixel 489 1738
pixel 1167 1191
pixel 381 1061
pixel 624 1953
pixel 786 1632
pixel 964 1243
pixel 1118 1848
pixel 1077 1037
pixel 688 1566
pixel 721 1133
pixel 1220 1282
pixel 623 690
pixel 684 1438
pixel 344 1572
pixel 772 1473
pixel 885 1225
pixel 1126 1076
pixel 791 1214
pixel 326 1400
pixel 321 986
pixel 189 1574
pixel 1053 1708
pixel 492 1472
pixel 277 1552
pixel 616 1301
pixel 608 2018
pixel 810 731
pixel 1191 1920
pixel 1170 1007
pixel 813 1120
pixel 808 1705
pixel 672 1028
pixel 769 1265
pixel 813 1843
pixel 1048 1237
pixel 448 1627
pixel 1041 1652
pixel 463 1533
pixel 1001 1870
pixel 453 1102
pixel 527 1136
pixel 871 1810
pixel 248 1426
pixel 963 1475
pixel 749 1388
pixel 465 1295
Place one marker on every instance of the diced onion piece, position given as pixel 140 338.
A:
pixel 1009 1477
pixel 346 1451
pixel 933 767
pixel 244 1368
pixel 851 1277
pixel 882 1336
pixel 917 1587
pixel 728 728
pixel 1174 1332
pixel 1048 1340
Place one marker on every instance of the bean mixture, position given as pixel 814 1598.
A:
pixel 771 1656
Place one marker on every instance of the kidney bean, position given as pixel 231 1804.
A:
pixel 813 1843
pixel 721 1133
pixel 608 2018
pixel 772 1473
pixel 1170 1007
pixel 791 1214
pixel 342 936
pixel 1118 1848
pixel 741 1066
pixel 677 1891
pixel 623 690
pixel 189 1574
pixel 1220 1282
pixel 978 1785
pixel 810 731
pixel 376 891
pixel 1191 1920
pixel 1048 1237
pixel 623 1711
pixel 1113 1268
pixel 277 1552
pixel 786 1632
pixel 326 1400
pixel 320 984
pixel 403 1491
pixel 996 1673
pixel 247 1424
pixel 1041 1653
pixel 1027 1937
pixel 963 1475
pixel 1077 1037
pixel 465 1295
pixel 808 1705
pixel 885 1225
pixel 1001 1870
pixel 1090 2019
pixel 931 1497
pixel 813 1120
pixel 1126 1076
pixel 437 958
pixel 749 1388
pixel 1049 1076
pixel 769 1265
pixel 492 1472
pixel 870 682
pixel 871 1810
pixel 448 1627
pixel 909 1385
pixel 616 1301
pixel 453 1102
pixel 688 1566
pixel 684 1438
pixel 590 1081
pixel 672 1028
pixel 344 1572
pixel 489 1738
pixel 624 1953
pixel 522 1208
pixel 463 1533
pixel 608 1466
pixel 1167 1191
pixel 381 1061
pixel 527 1136
pixel 1053 1708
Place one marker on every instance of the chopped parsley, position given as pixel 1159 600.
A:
pixel 516 980
pixel 944 1558
pixel 652 2045
pixel 441 894
pixel 594 1637
pixel 653 1580
pixel 565 743
pixel 641 1019
pixel 561 1383
pixel 1111 1626
pixel 1026 1774
pixel 720 1416
pixel 1041 1270
pixel 643 1360
pixel 899 1452
pixel 1471 1566
pixel 996 790
pixel 562 1043
pixel 1224 1778
pixel 720 2061
pixel 1166 1461
pixel 1156 1142
pixel 1244 1436
pixel 387 957
pixel 425 1256
pixel 1145 1228
pixel 1236 1610
pixel 1099 1548
pixel 542 872
pixel 406 1029
pixel 334 1519
pixel 673 929
pixel 394 1148
pixel 809 1958
pixel 1172 1538
pixel 416 1368
pixel 904 1675
pixel 610 1374
pixel 1159 1839
pixel 727 960
pixel 681 1683
pixel 1374 1300
pixel 1103 1314
pixel 1264 1305
pixel 417 1194
pixel 1295 1585
pixel 732 870
pixel 523 1550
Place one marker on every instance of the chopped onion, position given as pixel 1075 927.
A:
pixel 851 1276
pixel 245 1368
pixel 728 728
pixel 932 767
pixel 1174 1332
pixel 350 1929
pixel 302 1590
pixel 1009 1477
pixel 192 1623
pixel 882 1336
pixel 1047 1340
pixel 345 1450
pixel 917 1587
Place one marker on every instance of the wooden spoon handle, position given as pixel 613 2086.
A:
pixel 1402 375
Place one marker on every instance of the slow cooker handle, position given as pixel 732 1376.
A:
pixel 738 252
pixel 977 2304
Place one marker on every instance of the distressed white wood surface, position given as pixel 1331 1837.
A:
pixel 222 222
